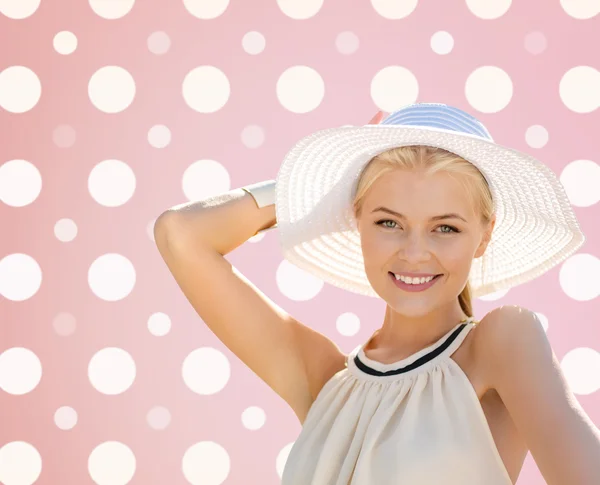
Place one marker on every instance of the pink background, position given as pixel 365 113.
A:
pixel 66 321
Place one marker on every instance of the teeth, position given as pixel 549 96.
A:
pixel 414 281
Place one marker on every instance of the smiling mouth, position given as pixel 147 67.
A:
pixel 436 276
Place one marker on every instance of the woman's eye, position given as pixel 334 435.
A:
pixel 383 221
pixel 452 228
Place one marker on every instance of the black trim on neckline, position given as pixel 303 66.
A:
pixel 417 363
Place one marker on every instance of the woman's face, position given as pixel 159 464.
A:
pixel 417 242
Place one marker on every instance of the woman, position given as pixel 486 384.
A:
pixel 422 210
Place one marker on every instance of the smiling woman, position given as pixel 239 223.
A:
pixel 395 176
pixel 426 399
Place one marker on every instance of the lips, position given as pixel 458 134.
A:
pixel 413 276
pixel 413 288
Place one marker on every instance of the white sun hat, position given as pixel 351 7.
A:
pixel 535 229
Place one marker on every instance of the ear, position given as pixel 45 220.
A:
pixel 487 235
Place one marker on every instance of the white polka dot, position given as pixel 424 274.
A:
pixel 159 136
pixel 581 9
pixel 347 43
pixel 484 9
pixel 65 418
pixel 578 277
pixel 206 371
pixel 536 136
pixel 543 319
pixel 159 324
pixel 206 89
pixel 300 89
pixel 581 367
pixel 494 296
pixel 297 284
pixel 206 463
pixel 20 89
pixel 442 42
pixel 253 136
pixel 394 87
pixel 64 136
pixel 20 183
pixel 253 42
pixel 20 371
pixel 111 89
pixel 581 179
pixel 489 89
pixel 111 183
pixel 391 9
pixel 535 42
pixel 111 9
pixel 206 9
pixel 20 277
pixel 111 371
pixel 348 324
pixel 111 463
pixel 158 418
pixel 19 9
pixel 580 89
pixel 159 43
pixel 282 457
pixel 64 324
pixel 205 178
pixel 253 418
pixel 65 230
pixel 20 463
pixel 111 277
pixel 300 9
pixel 65 42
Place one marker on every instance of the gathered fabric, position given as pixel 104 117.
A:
pixel 417 421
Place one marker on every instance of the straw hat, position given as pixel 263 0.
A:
pixel 535 229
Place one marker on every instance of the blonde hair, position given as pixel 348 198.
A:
pixel 430 160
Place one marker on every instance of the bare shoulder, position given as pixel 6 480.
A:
pixel 496 334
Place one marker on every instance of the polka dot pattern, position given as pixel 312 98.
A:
pixel 300 89
pixel 65 42
pixel 488 10
pixel 20 183
pixel 347 43
pixel 442 43
pixel 580 89
pixel 206 371
pixel 111 88
pixel 111 371
pixel 19 10
pixel 489 89
pixel 159 43
pixel 254 43
pixel 20 89
pixel 112 119
pixel 393 87
pixel 111 10
pixel 206 89
pixel 581 179
pixel 296 284
pixel 112 463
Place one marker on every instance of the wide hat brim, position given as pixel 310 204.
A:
pixel 535 229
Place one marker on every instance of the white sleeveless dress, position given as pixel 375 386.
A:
pixel 417 421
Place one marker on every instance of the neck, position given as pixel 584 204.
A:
pixel 413 333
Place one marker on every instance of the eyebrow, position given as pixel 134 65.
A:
pixel 451 215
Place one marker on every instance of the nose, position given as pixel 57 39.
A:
pixel 415 248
